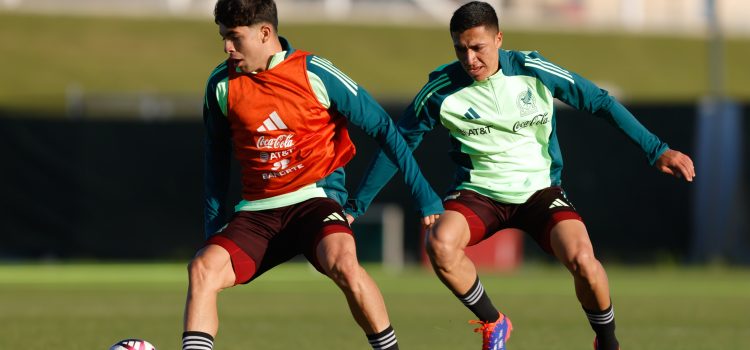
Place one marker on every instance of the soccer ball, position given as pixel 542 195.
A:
pixel 132 344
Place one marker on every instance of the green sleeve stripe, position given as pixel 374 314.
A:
pixel 549 68
pixel 549 65
pixel 550 71
pixel 324 63
pixel 330 68
pixel 419 100
pixel 427 97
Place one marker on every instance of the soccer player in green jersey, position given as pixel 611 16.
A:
pixel 498 108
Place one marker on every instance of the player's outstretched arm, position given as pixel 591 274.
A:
pixel 677 164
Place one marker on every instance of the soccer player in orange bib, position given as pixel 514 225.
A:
pixel 283 113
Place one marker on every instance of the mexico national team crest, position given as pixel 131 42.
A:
pixel 526 103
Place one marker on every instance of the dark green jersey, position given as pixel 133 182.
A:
pixel 502 129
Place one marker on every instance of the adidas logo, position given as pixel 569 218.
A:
pixel 334 217
pixel 273 122
pixel 471 114
pixel 558 203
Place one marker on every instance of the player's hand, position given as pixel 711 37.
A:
pixel 676 164
pixel 349 218
pixel 429 220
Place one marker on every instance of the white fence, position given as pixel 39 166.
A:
pixel 674 16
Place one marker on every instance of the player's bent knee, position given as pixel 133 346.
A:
pixel 345 267
pixel 586 266
pixel 198 274
pixel 347 273
pixel 441 250
pixel 210 271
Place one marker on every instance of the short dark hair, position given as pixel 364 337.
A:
pixel 474 14
pixel 236 13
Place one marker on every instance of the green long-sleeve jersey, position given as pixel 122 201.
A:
pixel 502 129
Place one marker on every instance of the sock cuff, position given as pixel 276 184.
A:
pixel 601 317
pixel 192 340
pixel 472 296
pixel 197 334
pixel 382 340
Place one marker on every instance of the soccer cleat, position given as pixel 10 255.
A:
pixel 596 344
pixel 494 334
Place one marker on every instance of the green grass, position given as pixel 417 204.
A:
pixel 44 55
pixel 89 306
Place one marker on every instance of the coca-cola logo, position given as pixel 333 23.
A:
pixel 539 119
pixel 279 142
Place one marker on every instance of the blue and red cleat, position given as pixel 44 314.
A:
pixel 494 334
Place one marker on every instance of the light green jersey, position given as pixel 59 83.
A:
pixel 502 129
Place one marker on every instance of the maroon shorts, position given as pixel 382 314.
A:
pixel 257 241
pixel 536 216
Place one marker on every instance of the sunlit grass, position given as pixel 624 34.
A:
pixel 89 306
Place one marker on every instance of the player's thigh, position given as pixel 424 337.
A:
pixel 469 218
pixel 542 213
pixel 322 232
pixel 336 250
pixel 212 264
pixel 246 238
pixel 569 239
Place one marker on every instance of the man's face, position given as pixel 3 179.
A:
pixel 245 46
pixel 477 50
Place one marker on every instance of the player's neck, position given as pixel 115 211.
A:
pixel 273 48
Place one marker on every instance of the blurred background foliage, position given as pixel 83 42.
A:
pixel 46 57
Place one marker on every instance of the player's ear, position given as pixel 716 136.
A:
pixel 265 32
pixel 499 39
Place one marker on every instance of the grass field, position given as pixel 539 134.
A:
pixel 89 306
pixel 44 55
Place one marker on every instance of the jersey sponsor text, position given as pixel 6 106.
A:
pixel 539 119
pixel 283 172
pixel 266 156
pixel 280 142
pixel 477 131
